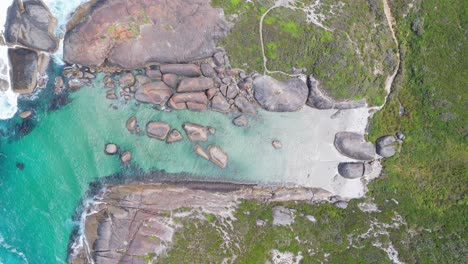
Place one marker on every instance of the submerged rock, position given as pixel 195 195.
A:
pixel 157 130
pixel 385 146
pixel 175 31
pixel 277 96
pixel 277 144
pixel 31 24
pixel 354 146
pixel 196 132
pixel 218 156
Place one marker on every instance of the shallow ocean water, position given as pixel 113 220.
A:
pixel 65 152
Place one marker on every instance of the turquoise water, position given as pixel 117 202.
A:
pixel 64 153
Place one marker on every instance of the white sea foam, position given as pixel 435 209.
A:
pixel 20 255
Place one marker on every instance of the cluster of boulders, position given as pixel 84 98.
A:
pixel 29 31
pixel 113 149
pixel 354 145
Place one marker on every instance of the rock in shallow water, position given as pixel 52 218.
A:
pixel 201 152
pixel 196 132
pixel 126 157
pixel 131 123
pixel 24 69
pixel 157 130
pixel 174 136
pixel 111 149
pixel 154 93
pixel 218 156
pixel 277 96
pixel 241 121
pixel 354 146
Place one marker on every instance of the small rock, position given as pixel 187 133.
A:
pixel 368 207
pixel 131 123
pixel 385 146
pixel 201 152
pixel 74 84
pixel 171 80
pixel 341 204
pixel 126 157
pixel 127 80
pixel 400 136
pixel 220 104
pixel 241 121
pixel 20 165
pixel 212 130
pixel 218 58
pixel 311 218
pixel 218 156
pixel 260 222
pixel 277 144
pixel 25 114
pixel 244 105
pixel 157 130
pixel 210 93
pixel 232 91
pixel 153 72
pixel 196 132
pixel 220 71
pixel 207 70
pixel 174 136
pixel 111 149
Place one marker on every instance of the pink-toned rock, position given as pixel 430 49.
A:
pixel 189 70
pixel 153 72
pixel 172 80
pixel 126 157
pixel 153 93
pixel 131 123
pixel 173 31
pixel 174 136
pixel 127 80
pixel 196 132
pixel 195 84
pixel 210 93
pixel 218 156
pixel 201 152
pixel 157 130
pixel 111 149
pixel 220 104
pixel 196 101
pixel 25 114
pixel 196 107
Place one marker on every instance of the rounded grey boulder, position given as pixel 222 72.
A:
pixel 354 146
pixel 385 146
pixel 277 96
pixel 351 170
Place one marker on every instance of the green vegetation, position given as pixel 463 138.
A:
pixel 351 60
pixel 425 184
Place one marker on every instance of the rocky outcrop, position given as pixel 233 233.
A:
pixel 160 31
pixel 153 93
pixel 385 146
pixel 157 130
pixel 24 69
pixel 353 145
pixel 196 132
pixel 134 221
pixel 277 96
pixel 30 24
pixel 317 99
pixel 283 216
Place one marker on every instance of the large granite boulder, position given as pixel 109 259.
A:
pixel 195 84
pixel 175 31
pixel 189 70
pixel 385 146
pixel 153 93
pixel 31 25
pixel 353 145
pixel 353 170
pixel 24 69
pixel 277 96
